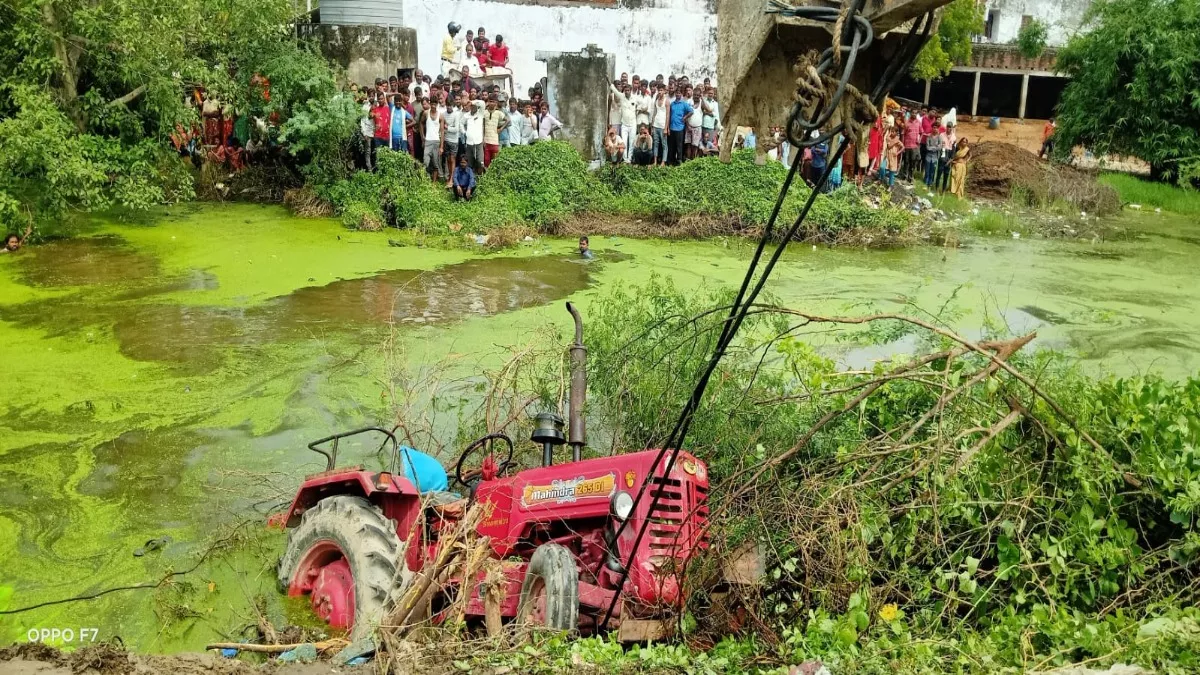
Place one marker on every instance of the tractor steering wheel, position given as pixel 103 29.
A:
pixel 494 469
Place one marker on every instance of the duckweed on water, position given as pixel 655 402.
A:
pixel 166 377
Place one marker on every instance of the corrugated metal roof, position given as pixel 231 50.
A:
pixel 356 12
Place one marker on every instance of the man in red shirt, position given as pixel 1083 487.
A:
pixel 498 53
pixel 382 114
pixel 912 145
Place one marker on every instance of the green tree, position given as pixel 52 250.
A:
pixel 951 45
pixel 1134 88
pixel 1031 41
pixel 91 89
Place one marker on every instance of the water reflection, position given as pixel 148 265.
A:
pixel 158 331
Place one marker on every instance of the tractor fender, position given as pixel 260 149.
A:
pixel 394 494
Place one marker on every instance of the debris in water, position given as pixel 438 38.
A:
pixel 155 544
pixel 305 653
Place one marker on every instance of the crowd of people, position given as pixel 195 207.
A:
pixel 453 124
pixel 905 144
pixel 661 121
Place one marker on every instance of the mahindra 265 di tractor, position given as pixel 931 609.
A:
pixel 356 536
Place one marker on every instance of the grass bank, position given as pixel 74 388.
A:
pixel 548 188
pixel 1148 194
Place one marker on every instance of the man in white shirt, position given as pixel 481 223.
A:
pixel 614 106
pixel 644 102
pixel 453 138
pixel 515 123
pixel 660 110
pixel 628 107
pixel 712 116
pixel 529 127
pixel 693 138
pixel 366 126
pixel 434 128
pixel 473 122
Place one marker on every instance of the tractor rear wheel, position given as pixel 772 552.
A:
pixel 347 556
pixel 550 592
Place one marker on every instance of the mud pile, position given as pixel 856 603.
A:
pixel 994 167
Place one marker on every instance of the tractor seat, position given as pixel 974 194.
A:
pixel 448 505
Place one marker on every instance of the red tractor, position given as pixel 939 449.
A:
pixel 356 536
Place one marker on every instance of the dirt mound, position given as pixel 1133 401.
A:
pixel 997 169
pixel 994 167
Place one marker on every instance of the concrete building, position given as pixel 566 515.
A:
pixel 368 38
pixel 999 81
pixel 1005 18
pixel 647 37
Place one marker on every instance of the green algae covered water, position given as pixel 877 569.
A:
pixel 160 381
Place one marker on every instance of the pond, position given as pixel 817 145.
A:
pixel 162 379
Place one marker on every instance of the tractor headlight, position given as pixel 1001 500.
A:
pixel 621 505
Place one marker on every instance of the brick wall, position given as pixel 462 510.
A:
pixel 1006 57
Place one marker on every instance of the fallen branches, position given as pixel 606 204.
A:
pixel 322 646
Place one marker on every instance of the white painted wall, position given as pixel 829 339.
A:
pixel 1062 17
pixel 659 36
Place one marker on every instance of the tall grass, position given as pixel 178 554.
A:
pixel 1134 190
pixel 988 221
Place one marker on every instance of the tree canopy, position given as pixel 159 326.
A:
pixel 951 45
pixel 91 89
pixel 1135 84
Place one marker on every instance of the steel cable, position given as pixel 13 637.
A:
pixel 856 35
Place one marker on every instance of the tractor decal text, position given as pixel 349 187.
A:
pixel 570 490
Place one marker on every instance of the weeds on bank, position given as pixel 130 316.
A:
pixel 545 185
pixel 1134 190
pixel 937 512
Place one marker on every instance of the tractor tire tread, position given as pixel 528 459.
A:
pixel 556 566
pixel 374 551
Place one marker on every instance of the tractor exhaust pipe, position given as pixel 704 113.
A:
pixel 577 437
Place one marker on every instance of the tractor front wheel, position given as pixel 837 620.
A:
pixel 348 558
pixel 550 592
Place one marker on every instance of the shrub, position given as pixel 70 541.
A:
pixel 1031 40
pixel 547 183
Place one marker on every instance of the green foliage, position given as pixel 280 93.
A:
pixel 323 133
pixel 546 183
pixel 1133 88
pixel 47 168
pixel 1150 195
pixel 90 91
pixel 1031 40
pixel 951 45
pixel 1040 548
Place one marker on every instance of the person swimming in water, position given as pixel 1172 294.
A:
pixel 13 243
pixel 584 251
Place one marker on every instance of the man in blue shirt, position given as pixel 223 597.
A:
pixel 464 180
pixel 819 153
pixel 681 111
pixel 750 140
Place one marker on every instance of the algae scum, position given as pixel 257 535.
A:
pixel 161 380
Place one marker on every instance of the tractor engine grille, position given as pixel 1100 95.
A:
pixel 678 519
